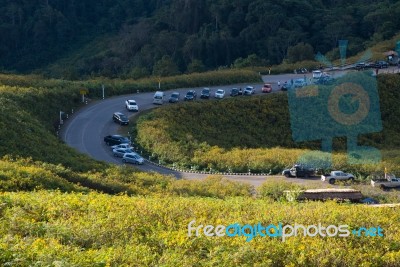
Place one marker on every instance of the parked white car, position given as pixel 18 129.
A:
pixel 249 90
pixel 131 105
pixel 390 181
pixel 337 176
pixel 220 93
pixel 132 158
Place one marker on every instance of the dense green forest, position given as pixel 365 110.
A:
pixel 72 39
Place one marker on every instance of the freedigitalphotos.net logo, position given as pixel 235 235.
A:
pixel 250 231
pixel 346 107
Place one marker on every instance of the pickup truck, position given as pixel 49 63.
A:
pixel 337 176
pixel 390 182
pixel 298 171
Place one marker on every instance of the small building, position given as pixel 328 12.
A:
pixel 392 57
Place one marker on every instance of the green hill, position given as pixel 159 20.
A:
pixel 138 38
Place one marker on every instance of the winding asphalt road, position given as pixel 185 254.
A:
pixel 85 130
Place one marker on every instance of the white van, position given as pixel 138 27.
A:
pixel 316 74
pixel 158 98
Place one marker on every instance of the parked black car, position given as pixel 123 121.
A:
pixel 286 86
pixel 299 171
pixel 191 95
pixel 205 93
pixel 116 139
pixel 381 64
pixel 300 70
pixel 120 118
pixel 234 92
pixel 361 66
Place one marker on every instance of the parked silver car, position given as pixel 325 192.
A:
pixel 122 146
pixel 119 152
pixel 132 158
pixel 249 90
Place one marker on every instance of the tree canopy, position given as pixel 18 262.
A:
pixel 111 37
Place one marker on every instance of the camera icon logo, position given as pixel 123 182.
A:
pixel 347 107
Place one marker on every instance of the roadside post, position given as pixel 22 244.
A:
pixel 61 120
pixel 83 92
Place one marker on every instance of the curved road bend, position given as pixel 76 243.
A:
pixel 85 130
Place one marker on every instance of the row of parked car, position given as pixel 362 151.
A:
pixel 121 147
pixel 207 93
pixel 299 170
pixel 380 64
pixel 300 83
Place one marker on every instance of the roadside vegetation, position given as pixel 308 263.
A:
pixel 19 174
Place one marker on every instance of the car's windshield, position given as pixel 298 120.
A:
pixel 174 95
pixel 123 117
pixel 132 102
pixel 189 93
